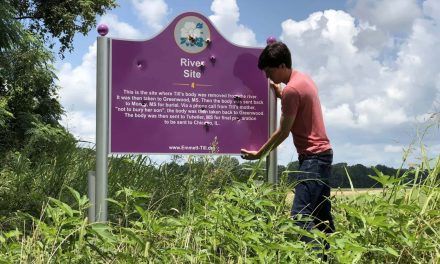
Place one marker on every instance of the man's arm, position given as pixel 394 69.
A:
pixel 274 141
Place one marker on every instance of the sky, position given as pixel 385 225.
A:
pixel 375 63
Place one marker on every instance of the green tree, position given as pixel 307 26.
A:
pixel 28 92
pixel 59 19
pixel 29 105
pixel 10 28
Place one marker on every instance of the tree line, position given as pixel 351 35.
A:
pixel 347 176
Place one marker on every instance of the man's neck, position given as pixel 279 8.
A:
pixel 286 76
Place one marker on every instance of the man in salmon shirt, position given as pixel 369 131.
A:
pixel 301 115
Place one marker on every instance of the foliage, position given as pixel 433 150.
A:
pixel 174 187
pixel 28 91
pixel 239 223
pixel 399 225
pixel 4 113
pixel 10 29
pixel 60 19
pixel 195 211
pixel 201 210
pixel 25 185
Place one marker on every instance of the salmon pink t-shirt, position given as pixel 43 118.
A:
pixel 300 100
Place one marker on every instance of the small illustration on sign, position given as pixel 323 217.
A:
pixel 191 34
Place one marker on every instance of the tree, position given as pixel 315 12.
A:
pixel 9 28
pixel 28 92
pixel 60 19
pixel 29 105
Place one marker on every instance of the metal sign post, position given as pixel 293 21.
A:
pixel 102 110
pixel 91 194
pixel 271 160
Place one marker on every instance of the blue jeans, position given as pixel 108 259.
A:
pixel 312 192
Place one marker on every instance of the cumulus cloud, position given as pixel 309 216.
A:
pixel 78 95
pixel 82 124
pixel 226 18
pixel 394 148
pixel 357 88
pixel 341 116
pixel 431 8
pixel 394 16
pixel 152 12
pixel 120 29
pixel 364 90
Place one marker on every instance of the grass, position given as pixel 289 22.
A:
pixel 235 223
pixel 207 211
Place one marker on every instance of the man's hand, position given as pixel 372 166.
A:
pixel 277 89
pixel 250 155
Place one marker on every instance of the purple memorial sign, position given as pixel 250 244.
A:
pixel 187 90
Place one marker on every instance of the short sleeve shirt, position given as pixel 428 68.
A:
pixel 300 100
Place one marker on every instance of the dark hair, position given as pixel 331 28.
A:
pixel 274 55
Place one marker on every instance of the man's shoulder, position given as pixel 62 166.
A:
pixel 290 89
pixel 300 81
pixel 300 76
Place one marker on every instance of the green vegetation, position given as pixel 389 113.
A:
pixel 29 105
pixel 194 210
pixel 203 210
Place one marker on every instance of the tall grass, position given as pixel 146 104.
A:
pixel 195 211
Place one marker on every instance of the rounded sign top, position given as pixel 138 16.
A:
pixel 102 29
pixel 270 40
pixel 192 34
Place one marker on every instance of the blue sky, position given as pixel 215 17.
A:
pixel 375 63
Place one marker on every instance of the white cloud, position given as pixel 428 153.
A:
pixel 431 8
pixel 79 83
pixel 372 91
pixel 339 116
pixel 78 95
pixel 417 70
pixel 119 29
pixel 82 124
pixel 394 16
pixel 226 18
pixel 377 111
pixel 358 89
pixel 323 38
pixel 153 12
pixel 393 148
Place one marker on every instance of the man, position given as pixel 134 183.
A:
pixel 301 115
